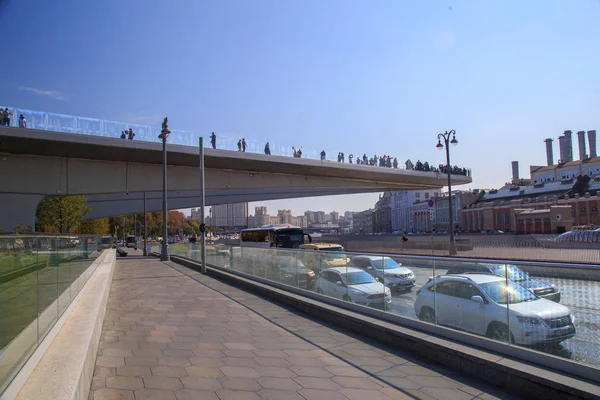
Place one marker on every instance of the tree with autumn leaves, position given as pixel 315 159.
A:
pixel 66 214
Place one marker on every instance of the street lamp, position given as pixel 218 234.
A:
pixel 447 142
pixel 164 134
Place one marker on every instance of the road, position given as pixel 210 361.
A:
pixel 581 297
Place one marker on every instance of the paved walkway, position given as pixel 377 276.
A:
pixel 170 333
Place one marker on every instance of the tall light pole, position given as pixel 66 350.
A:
pixel 164 134
pixel 447 142
pixel 145 228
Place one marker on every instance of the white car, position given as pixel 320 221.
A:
pixel 394 275
pixel 477 303
pixel 353 284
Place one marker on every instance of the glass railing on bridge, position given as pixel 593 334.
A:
pixel 532 306
pixel 39 277
pixel 96 127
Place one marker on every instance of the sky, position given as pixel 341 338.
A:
pixel 381 77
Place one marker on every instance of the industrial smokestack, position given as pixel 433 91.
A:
pixel 568 146
pixel 592 143
pixel 562 150
pixel 515 171
pixel 581 142
pixel 549 154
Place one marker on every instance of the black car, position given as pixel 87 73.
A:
pixel 538 287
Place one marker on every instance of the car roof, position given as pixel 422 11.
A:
pixel 343 270
pixel 477 278
pixel 371 257
pixel 320 246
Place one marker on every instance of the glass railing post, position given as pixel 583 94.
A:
pixel 508 299
pixel 435 309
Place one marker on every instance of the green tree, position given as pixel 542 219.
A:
pixel 61 214
pixel 98 226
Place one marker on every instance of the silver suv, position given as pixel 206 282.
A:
pixel 394 275
pixel 478 304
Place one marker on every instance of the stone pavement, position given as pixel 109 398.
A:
pixel 171 333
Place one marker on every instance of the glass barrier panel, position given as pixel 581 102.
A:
pixel 61 123
pixel 408 279
pixel 89 126
pixel 18 305
pixel 48 286
pixel 113 128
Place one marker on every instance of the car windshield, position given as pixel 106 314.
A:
pixel 334 252
pixel 385 263
pixel 358 278
pixel 290 238
pixel 514 273
pixel 498 292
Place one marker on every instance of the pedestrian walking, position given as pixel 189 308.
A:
pixel 22 122
pixel 213 140
pixel 299 153
pixel 243 145
pixel 322 155
pixel 1 116
pixel 395 162
pixel 342 156
pixel 267 149
pixel 295 152
pixel 350 158
pixel 123 134
pixel 130 134
pixel 240 145
pixel 7 116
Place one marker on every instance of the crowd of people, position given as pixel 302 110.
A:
pixel 383 161
pixel 441 168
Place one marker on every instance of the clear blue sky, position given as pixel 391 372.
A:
pixel 354 76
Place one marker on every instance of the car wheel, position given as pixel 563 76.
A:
pixel 499 331
pixel 427 315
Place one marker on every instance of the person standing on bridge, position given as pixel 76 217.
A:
pixel 22 122
pixel 299 153
pixel 322 155
pixel 350 156
pixel 243 145
pixel 131 135
pixel 213 140
pixel 123 134
pixel 240 145
pixel 267 149
pixel 1 116
pixel 7 115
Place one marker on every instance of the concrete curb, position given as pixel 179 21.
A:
pixel 525 379
pixel 65 371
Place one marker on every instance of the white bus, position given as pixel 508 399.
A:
pixel 275 235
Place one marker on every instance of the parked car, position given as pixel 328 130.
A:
pixel 354 285
pixel 538 287
pixel 289 270
pixel 394 275
pixel 323 255
pixel 477 303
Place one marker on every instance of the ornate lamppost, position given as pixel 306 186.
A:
pixel 164 134
pixel 447 142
